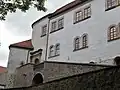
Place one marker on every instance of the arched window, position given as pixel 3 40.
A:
pixel 51 51
pixel 84 40
pixel 112 32
pixel 36 61
pixel 77 43
pixel 57 49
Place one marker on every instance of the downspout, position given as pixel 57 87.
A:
pixel 47 40
pixel 27 56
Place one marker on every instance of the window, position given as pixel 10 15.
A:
pixel 113 33
pixel 84 40
pixel 118 2
pixel 79 16
pixel 112 3
pixel 54 50
pixel 77 43
pixel 87 12
pixel 81 43
pixel 51 53
pixel 83 14
pixel 60 23
pixel 53 28
pixel 36 61
pixel 57 25
pixel 57 49
pixel 44 30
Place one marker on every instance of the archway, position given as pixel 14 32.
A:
pixel 117 60
pixel 38 79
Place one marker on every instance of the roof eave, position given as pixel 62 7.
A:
pixel 48 15
pixel 28 48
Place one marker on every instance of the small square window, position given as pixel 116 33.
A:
pixel 44 30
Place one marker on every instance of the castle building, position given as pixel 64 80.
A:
pixel 83 31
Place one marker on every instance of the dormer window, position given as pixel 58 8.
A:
pixel 44 30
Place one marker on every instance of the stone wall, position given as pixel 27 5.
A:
pixel 51 71
pixel 104 79
pixel 3 77
pixel 57 70
pixel 10 80
pixel 24 76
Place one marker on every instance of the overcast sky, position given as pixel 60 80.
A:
pixel 17 26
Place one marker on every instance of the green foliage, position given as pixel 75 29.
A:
pixel 11 6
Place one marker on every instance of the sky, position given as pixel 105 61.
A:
pixel 17 26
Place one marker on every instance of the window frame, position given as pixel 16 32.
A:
pixel 87 12
pixel 51 51
pixel 44 30
pixel 85 40
pixel 78 16
pixel 36 61
pixel 109 4
pixel 57 49
pixel 82 15
pixel 61 23
pixel 115 33
pixel 76 43
pixel 53 26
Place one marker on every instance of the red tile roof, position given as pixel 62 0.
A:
pixel 3 69
pixel 24 44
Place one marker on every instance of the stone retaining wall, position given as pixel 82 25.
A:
pixel 104 79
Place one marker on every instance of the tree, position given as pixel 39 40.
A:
pixel 11 6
